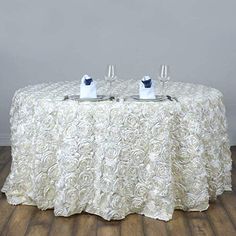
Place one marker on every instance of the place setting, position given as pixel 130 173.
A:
pixel 147 88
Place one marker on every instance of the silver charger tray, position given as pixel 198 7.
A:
pixel 99 98
pixel 157 99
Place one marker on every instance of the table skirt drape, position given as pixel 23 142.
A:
pixel 116 158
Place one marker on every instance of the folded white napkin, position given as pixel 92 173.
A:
pixel 146 88
pixel 88 87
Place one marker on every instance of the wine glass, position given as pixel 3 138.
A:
pixel 164 78
pixel 110 77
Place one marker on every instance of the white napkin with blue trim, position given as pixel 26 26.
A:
pixel 146 88
pixel 88 87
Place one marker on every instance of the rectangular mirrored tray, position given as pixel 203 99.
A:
pixel 99 98
pixel 136 98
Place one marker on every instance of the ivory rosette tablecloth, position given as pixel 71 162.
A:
pixel 115 158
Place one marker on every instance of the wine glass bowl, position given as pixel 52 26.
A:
pixel 110 77
pixel 164 78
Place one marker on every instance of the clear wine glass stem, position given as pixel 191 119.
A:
pixel 163 88
pixel 110 82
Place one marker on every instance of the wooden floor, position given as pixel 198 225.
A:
pixel 219 219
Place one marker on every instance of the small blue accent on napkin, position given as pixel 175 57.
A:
pixel 147 83
pixel 88 81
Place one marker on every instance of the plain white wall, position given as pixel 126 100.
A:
pixel 54 40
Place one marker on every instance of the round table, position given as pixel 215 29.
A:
pixel 115 158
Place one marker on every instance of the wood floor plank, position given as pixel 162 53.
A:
pixel 108 231
pixel 2 151
pixel 219 220
pixel 4 173
pixel 228 200
pixel 108 228
pixel 85 224
pixel 154 227
pixel 233 155
pixel 40 223
pixel 4 148
pixel 18 223
pixel 233 174
pixel 199 224
pixel 178 225
pixel 6 210
pixel 62 226
pixel 5 157
pixel 132 225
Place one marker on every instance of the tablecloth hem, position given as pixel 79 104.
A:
pixel 165 217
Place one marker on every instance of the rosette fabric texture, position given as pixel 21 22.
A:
pixel 115 158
